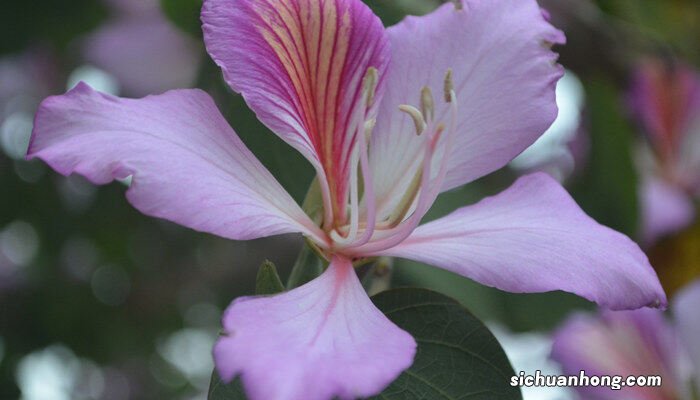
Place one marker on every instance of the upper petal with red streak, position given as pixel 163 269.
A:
pixel 300 66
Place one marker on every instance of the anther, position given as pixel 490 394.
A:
pixel 370 85
pixel 449 86
pixel 417 117
pixel 427 103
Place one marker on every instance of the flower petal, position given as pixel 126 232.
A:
pixel 504 78
pixel 188 165
pixel 666 209
pixel 686 304
pixel 300 66
pixel 534 238
pixel 320 341
pixel 624 343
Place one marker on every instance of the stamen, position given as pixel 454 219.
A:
pixel 369 128
pixel 359 120
pixel 449 86
pixel 404 205
pixel 402 230
pixel 438 132
pixel 360 160
pixel 417 117
pixel 368 196
pixel 429 187
pixel 354 204
pixel 427 103
pixel 449 139
pixel 370 85
pixel 416 188
pixel 326 197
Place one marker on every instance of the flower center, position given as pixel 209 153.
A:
pixel 363 231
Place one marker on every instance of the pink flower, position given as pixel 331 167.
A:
pixel 666 100
pixel 636 343
pixel 359 102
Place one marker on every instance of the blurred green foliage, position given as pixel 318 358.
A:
pixel 608 188
pixel 50 22
pixel 184 14
pixel 667 25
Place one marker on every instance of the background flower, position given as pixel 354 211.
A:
pixel 666 100
pixel 145 51
pixel 635 343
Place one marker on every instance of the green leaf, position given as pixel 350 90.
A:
pixel 268 281
pixel 184 14
pixel 307 267
pixel 457 358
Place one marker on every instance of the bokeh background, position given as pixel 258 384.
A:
pixel 100 302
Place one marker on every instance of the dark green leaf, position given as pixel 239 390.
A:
pixel 184 14
pixel 457 358
pixel 268 281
